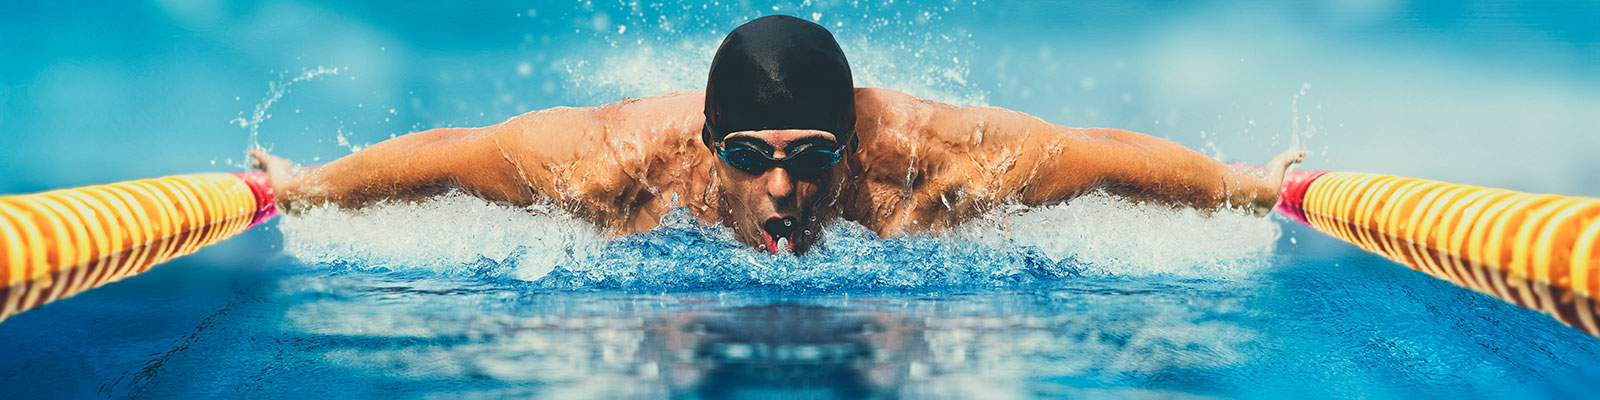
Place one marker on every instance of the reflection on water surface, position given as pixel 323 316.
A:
pixel 717 345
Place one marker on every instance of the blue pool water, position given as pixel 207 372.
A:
pixel 1098 298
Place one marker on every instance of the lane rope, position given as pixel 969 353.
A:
pixel 1537 251
pixel 59 243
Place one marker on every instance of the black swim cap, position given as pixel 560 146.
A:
pixel 779 72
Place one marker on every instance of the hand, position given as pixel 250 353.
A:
pixel 279 170
pixel 1281 163
pixel 1265 200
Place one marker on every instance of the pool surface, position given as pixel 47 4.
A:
pixel 1099 298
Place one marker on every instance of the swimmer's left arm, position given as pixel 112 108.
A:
pixel 1148 168
pixel 1060 163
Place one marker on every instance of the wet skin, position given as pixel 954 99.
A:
pixel 917 165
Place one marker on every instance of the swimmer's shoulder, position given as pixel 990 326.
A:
pixel 872 103
pixel 977 127
pixel 575 134
pixel 895 116
pixel 676 115
pixel 889 114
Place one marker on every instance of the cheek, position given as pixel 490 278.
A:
pixel 741 187
pixel 736 190
pixel 736 196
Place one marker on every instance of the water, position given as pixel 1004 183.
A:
pixel 1098 298
pixel 1304 326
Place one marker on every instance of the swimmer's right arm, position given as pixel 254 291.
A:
pixel 527 159
pixel 425 164
pixel 409 167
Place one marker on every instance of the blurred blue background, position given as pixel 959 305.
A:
pixel 1500 93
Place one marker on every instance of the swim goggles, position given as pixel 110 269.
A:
pixel 808 158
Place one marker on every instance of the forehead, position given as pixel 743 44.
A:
pixel 781 136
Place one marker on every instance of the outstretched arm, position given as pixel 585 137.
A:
pixel 593 160
pixel 1148 168
pixel 485 162
pixel 1059 163
pixel 409 167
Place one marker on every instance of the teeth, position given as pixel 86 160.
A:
pixel 783 244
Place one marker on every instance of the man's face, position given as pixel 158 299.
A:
pixel 775 208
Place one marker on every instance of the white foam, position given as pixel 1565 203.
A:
pixel 450 234
pixel 1119 237
pixel 458 235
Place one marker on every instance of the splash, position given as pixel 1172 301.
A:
pixel 649 50
pixel 1300 135
pixel 460 236
pixel 1120 238
pixel 450 235
pixel 275 91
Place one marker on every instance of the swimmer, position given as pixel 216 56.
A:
pixel 778 144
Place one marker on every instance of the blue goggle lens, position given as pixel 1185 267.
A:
pixel 806 163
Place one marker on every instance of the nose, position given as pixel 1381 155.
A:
pixel 780 185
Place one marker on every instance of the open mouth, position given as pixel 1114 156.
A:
pixel 779 234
